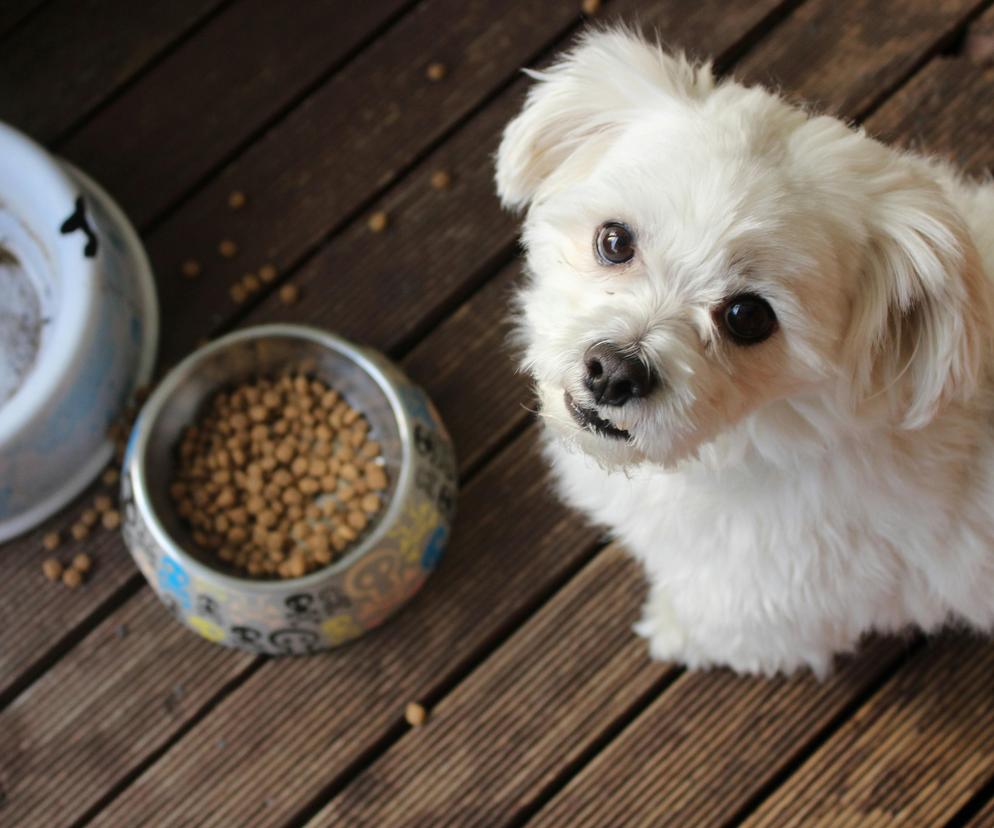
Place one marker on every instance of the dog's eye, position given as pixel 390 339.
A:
pixel 749 319
pixel 614 243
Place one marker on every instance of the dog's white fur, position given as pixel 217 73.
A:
pixel 787 497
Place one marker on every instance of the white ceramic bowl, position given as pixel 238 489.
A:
pixel 96 333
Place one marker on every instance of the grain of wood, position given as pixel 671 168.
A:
pixel 701 749
pixel 912 755
pixel 844 56
pixel 72 736
pixel 203 108
pixel 74 53
pixel 530 709
pixel 296 723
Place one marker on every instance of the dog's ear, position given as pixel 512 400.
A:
pixel 586 96
pixel 919 334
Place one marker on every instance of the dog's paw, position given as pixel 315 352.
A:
pixel 660 628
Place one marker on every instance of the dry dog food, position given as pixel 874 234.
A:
pixel 227 248
pixel 278 477
pixel 267 273
pixel 415 714
pixel 441 180
pixel 190 268
pixel 289 294
pixel 378 221
pixel 436 71
pixel 237 200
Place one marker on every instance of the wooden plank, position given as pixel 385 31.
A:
pixel 352 136
pixel 529 710
pixel 912 755
pixel 702 749
pixel 67 740
pixel 297 723
pixel 74 53
pixel 930 111
pixel 192 110
pixel 824 48
pixel 985 817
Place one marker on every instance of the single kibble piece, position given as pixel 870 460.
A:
pixel 89 517
pixel 52 569
pixel 110 477
pixel 591 7
pixel 415 714
pixel 111 519
pixel 82 562
pixel 289 294
pixel 50 540
pixel 227 248
pixel 267 273
pixel 378 221
pixel 441 180
pixel 79 531
pixel 190 268
pixel 72 578
pixel 251 283
pixel 436 71
pixel 102 503
pixel 237 293
pixel 237 200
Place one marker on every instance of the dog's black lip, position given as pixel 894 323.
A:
pixel 588 418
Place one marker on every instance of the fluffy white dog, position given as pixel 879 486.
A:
pixel 761 343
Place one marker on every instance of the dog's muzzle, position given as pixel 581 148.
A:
pixel 590 419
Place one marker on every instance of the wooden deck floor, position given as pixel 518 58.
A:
pixel 544 707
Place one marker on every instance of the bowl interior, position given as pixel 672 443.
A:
pixel 190 388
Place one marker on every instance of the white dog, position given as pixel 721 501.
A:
pixel 762 346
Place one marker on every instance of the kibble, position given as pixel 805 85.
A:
pixel 52 569
pixel 251 283
pixel 190 268
pixel 237 200
pixel 378 221
pixel 289 294
pixel 273 480
pixel 82 562
pixel 79 531
pixel 110 477
pixel 89 517
pixel 267 273
pixel 227 248
pixel 436 71
pixel 441 180
pixel 72 578
pixel 415 714
pixel 51 541
pixel 590 7
pixel 111 519
pixel 102 503
pixel 237 293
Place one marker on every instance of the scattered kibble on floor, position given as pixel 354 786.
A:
pixel 289 294
pixel 267 272
pixel 110 477
pixel 273 480
pixel 378 221
pixel 72 578
pixel 441 180
pixel 591 7
pixel 89 517
pixel 190 268
pixel 79 531
pixel 251 283
pixel 237 293
pixel 227 248
pixel 51 541
pixel 102 503
pixel 52 569
pixel 436 71
pixel 237 200
pixel 82 562
pixel 415 714
pixel 111 519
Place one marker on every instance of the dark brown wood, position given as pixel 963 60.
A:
pixel 296 724
pixel 823 48
pixel 525 713
pixel 985 817
pixel 74 53
pixel 67 740
pixel 189 112
pixel 703 748
pixel 912 755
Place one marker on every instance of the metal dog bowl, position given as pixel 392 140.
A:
pixel 350 596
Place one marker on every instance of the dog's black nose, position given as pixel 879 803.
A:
pixel 614 378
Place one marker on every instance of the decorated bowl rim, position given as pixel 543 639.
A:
pixel 135 466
